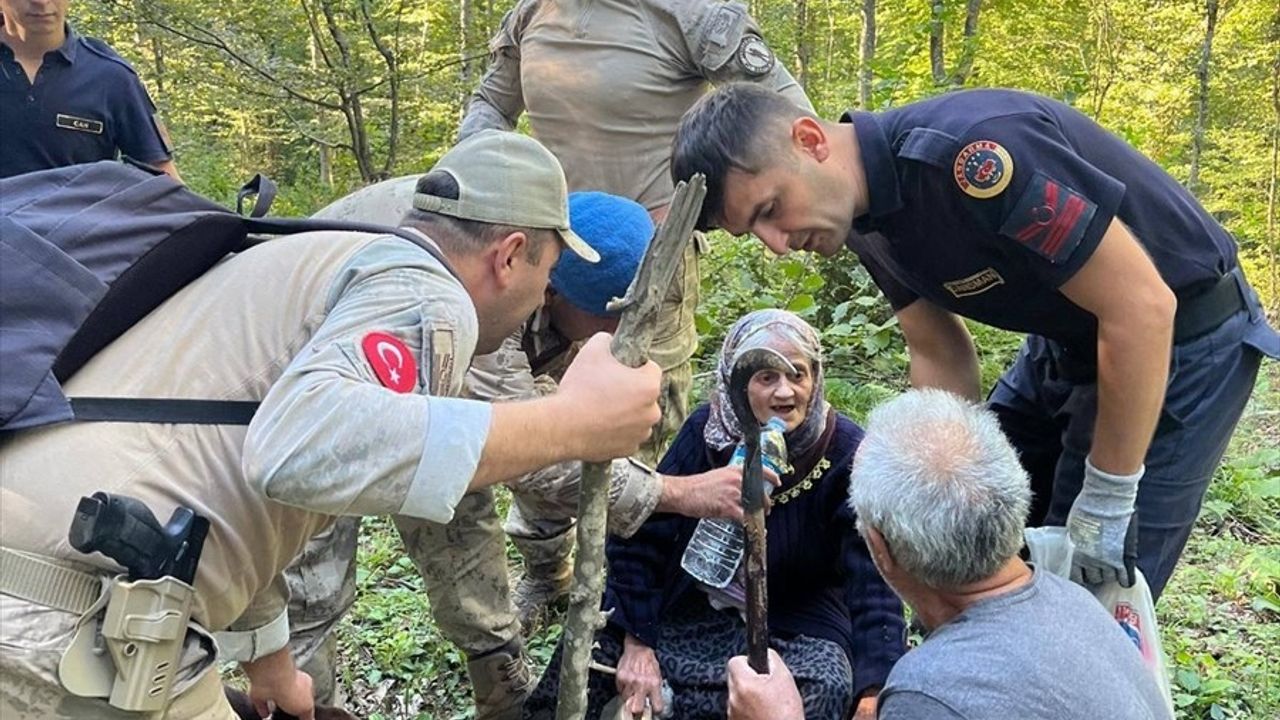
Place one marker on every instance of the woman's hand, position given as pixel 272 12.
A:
pixel 275 682
pixel 639 677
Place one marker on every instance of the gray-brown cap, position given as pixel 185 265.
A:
pixel 507 178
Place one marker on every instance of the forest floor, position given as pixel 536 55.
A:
pixel 1220 615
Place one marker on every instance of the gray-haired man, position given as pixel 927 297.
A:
pixel 941 501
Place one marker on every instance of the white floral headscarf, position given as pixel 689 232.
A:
pixel 787 333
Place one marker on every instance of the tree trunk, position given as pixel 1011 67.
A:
pixel 937 44
pixel 1202 95
pixel 393 84
pixel 937 61
pixel 867 53
pixel 1104 65
pixel 465 82
pixel 157 56
pixel 802 43
pixel 325 168
pixel 352 107
pixel 1273 240
pixel 970 45
pixel 630 347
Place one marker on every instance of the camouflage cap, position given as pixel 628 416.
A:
pixel 509 179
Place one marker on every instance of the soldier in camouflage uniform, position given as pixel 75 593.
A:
pixel 463 562
pixel 604 84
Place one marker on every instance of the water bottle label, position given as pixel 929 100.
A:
pixel 714 552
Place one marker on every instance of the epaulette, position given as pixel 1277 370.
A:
pixel 522 13
pixel 103 50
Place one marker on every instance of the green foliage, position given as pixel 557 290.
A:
pixel 1221 611
pixel 396 662
pixel 858 329
pixel 248 88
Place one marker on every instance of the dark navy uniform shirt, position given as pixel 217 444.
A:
pixel 85 105
pixel 985 202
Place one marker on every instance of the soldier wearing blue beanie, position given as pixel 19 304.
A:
pixel 579 294
pixel 619 229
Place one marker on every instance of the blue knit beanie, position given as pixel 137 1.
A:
pixel 620 230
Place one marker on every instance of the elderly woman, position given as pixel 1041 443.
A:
pixel 831 616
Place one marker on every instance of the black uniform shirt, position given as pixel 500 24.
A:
pixel 85 105
pixel 985 202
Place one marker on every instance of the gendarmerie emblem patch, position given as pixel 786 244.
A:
pixel 983 169
pixel 975 284
pixel 754 55
pixel 71 122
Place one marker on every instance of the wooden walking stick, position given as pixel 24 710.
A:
pixel 630 347
pixel 745 366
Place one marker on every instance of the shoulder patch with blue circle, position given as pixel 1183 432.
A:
pixel 983 169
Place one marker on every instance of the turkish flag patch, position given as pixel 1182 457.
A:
pixel 391 360
pixel 1050 218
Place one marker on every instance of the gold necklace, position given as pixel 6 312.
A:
pixel 790 493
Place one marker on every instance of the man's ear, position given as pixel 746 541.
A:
pixel 810 138
pixel 504 254
pixel 879 550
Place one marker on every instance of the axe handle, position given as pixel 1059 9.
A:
pixel 756 570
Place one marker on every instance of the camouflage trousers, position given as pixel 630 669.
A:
pixel 463 563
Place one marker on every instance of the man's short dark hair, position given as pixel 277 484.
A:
pixel 732 128
pixel 467 236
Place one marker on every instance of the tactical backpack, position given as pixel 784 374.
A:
pixel 86 251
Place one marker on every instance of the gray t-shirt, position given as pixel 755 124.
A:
pixel 1047 651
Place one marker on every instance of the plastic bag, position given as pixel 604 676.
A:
pixel 1051 550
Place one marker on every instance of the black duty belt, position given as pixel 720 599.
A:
pixel 1209 308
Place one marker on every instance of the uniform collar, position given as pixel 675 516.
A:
pixel 69 46
pixel 879 166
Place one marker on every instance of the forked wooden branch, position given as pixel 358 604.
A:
pixel 631 348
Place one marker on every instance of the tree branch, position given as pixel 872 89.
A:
pixel 206 37
pixel 393 77
pixel 310 14
pixel 631 348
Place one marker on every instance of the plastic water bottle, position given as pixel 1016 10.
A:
pixel 715 549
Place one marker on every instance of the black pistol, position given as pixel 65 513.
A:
pixel 125 530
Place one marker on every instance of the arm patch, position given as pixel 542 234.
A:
pixel 1050 218
pixel 754 56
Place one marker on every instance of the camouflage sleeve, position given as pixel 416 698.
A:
pixel 499 99
pixel 504 375
pixel 362 421
pixel 634 492
pixel 261 629
pixel 725 45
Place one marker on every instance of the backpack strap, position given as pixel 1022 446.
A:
pixel 231 412
pixel 263 188
pixel 292 226
pixel 163 410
